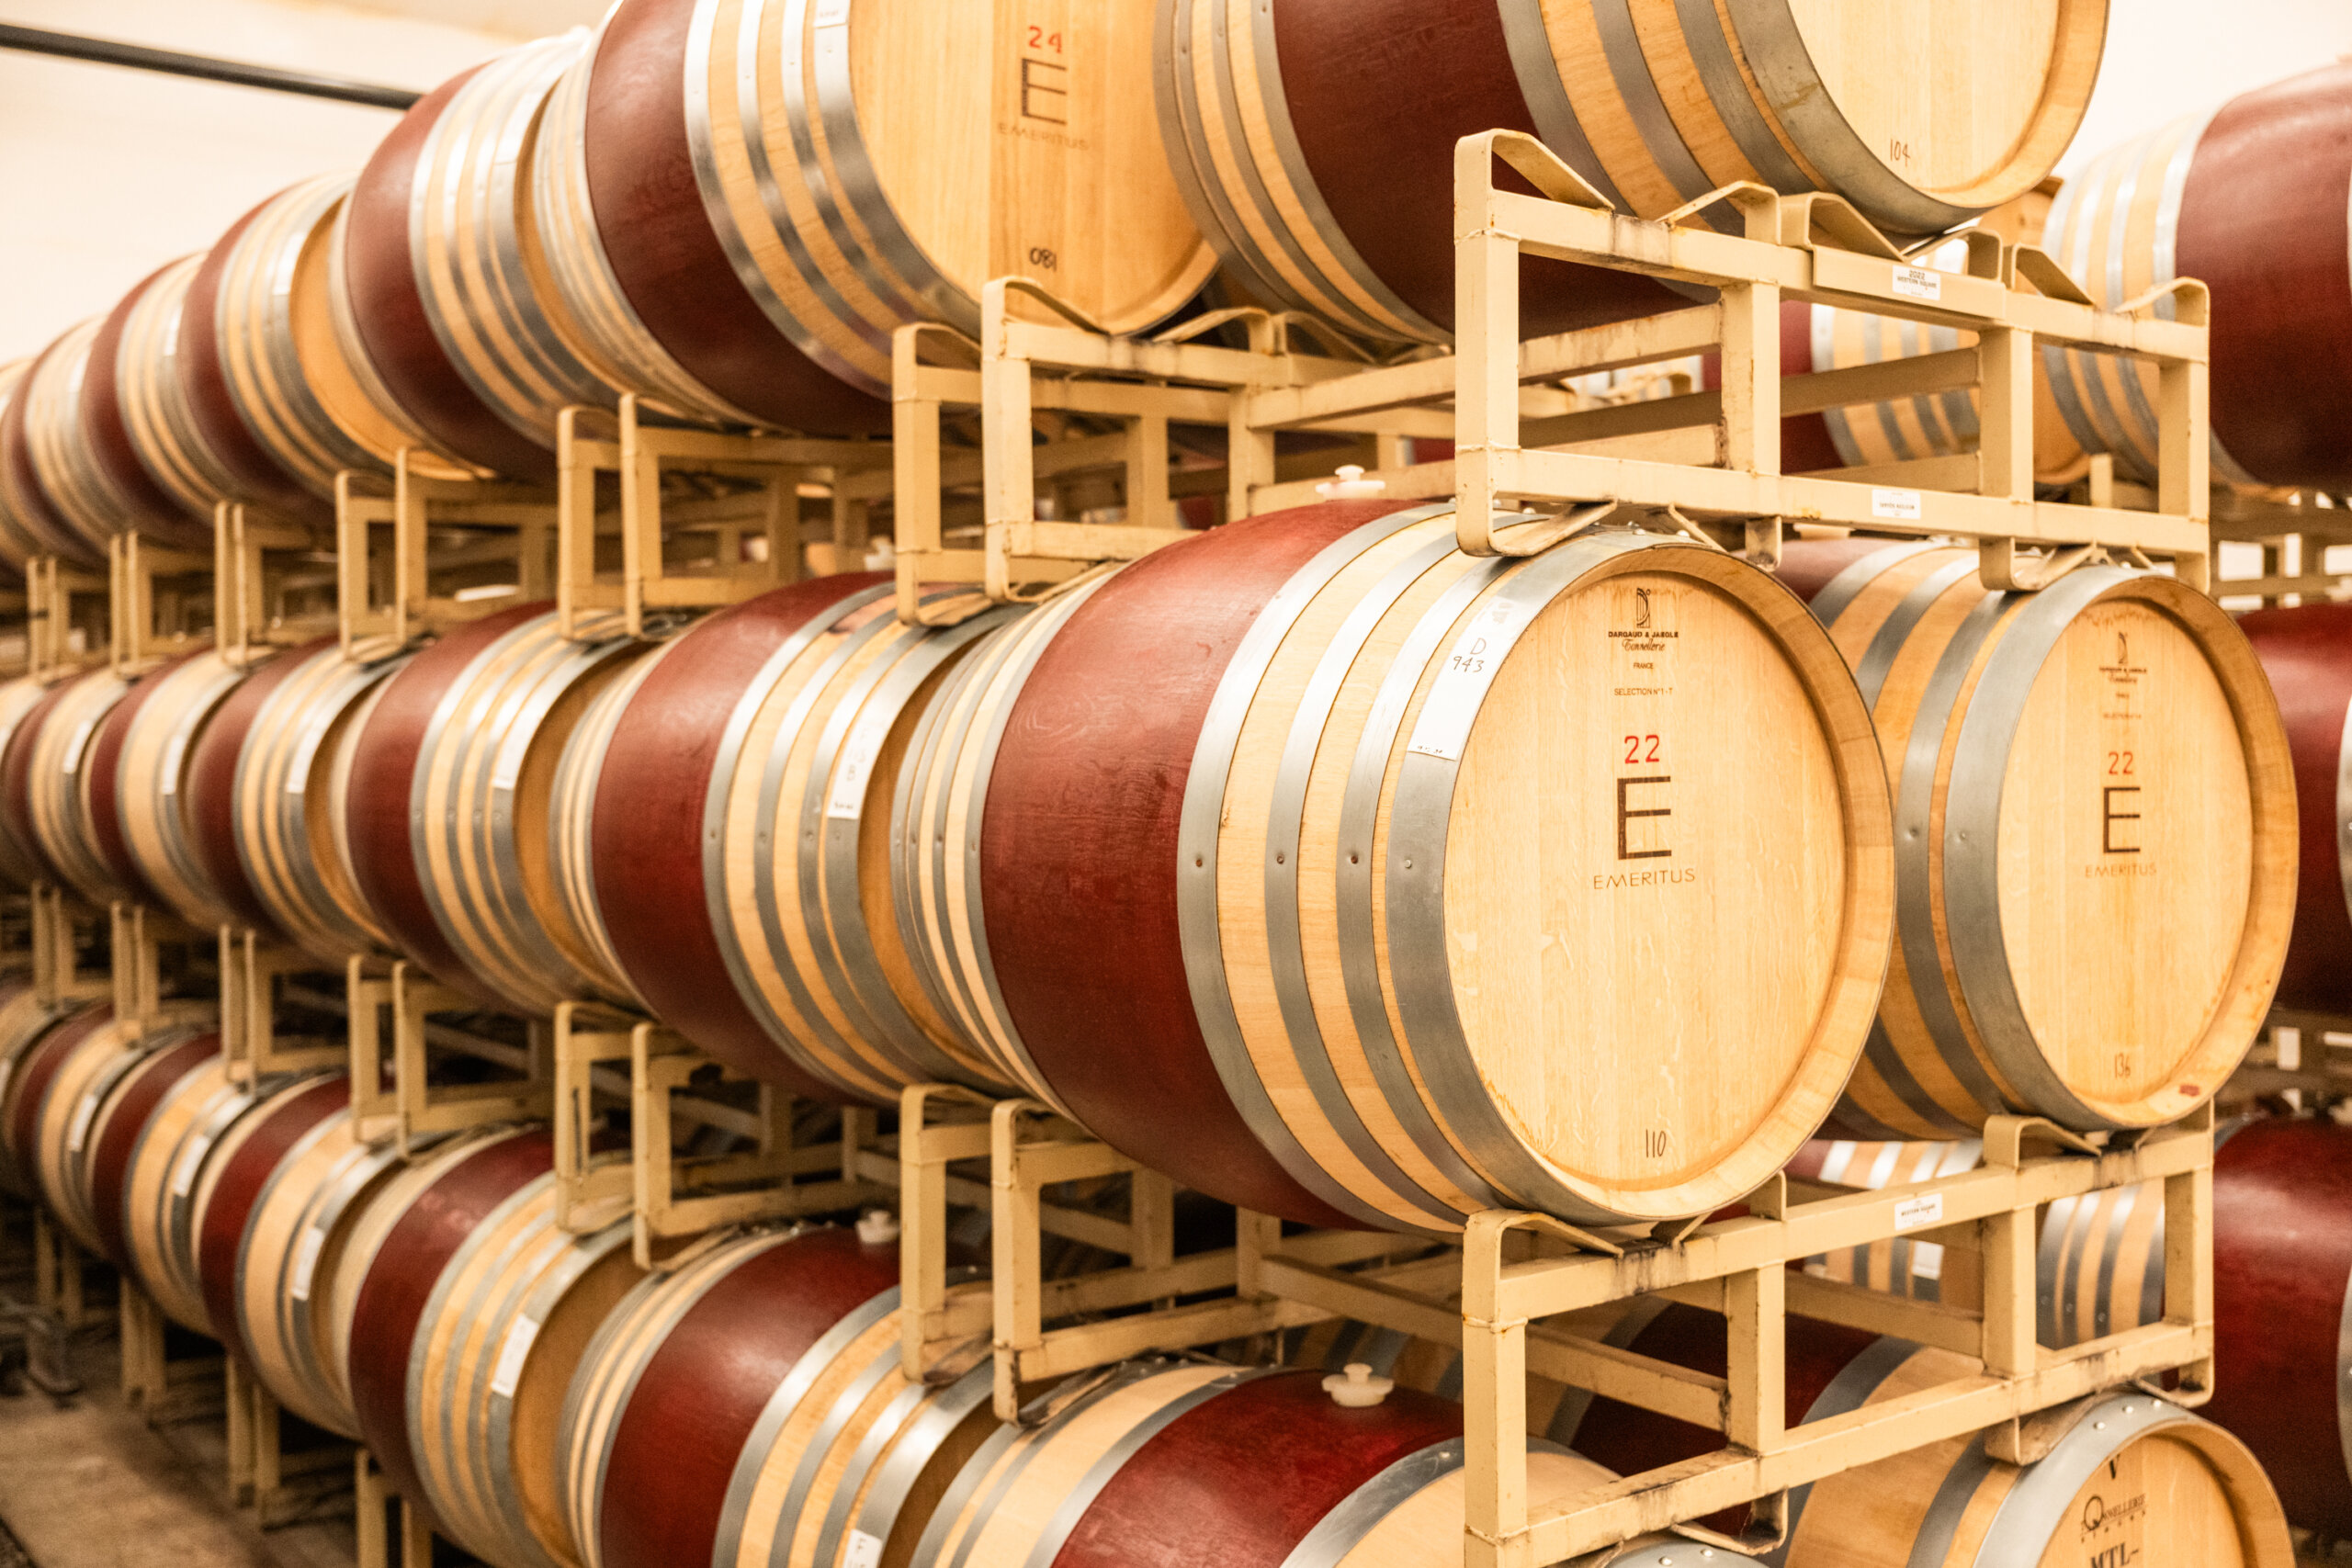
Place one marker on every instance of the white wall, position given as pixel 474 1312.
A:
pixel 2167 58
pixel 105 173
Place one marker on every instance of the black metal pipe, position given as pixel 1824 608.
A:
pixel 205 67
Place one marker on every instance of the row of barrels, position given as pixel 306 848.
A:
pixel 2282 1277
pixel 727 210
pixel 546 1405
pixel 1331 871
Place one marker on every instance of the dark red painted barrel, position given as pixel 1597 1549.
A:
pixel 647 843
pixel 658 239
pixel 2307 653
pixel 383 774
pixel 380 272
pixel 29 1085
pixel 135 1101
pixel 108 435
pixel 259 476
pixel 399 1286
pixel 211 803
pixel 238 1187
pixel 107 802
pixel 17 780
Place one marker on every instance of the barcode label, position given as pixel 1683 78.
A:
pixel 1901 504
pixel 1443 727
pixel 512 1356
pixel 865 1551
pixel 192 1159
pixel 306 1262
pixel 1927 1261
pixel 1918 283
pixel 1927 1209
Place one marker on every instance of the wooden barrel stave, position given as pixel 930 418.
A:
pixel 572 820
pixel 166 1168
pixel 158 411
pixel 282 1121
pixel 2189 1493
pixel 1970 690
pixel 1181 745
pixel 110 435
pixel 2306 652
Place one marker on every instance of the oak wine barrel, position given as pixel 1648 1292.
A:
pixel 157 401
pixel 20 700
pixel 1353 800
pixel 2252 199
pixel 116 462
pixel 1197 1466
pixel 742 833
pixel 85 496
pixel 2094 839
pixel 120 1135
pixel 56 783
pixel 36 1069
pixel 447 805
pixel 283 1117
pixel 71 1114
pixel 571 825
pixel 294 1235
pixel 440 294
pixel 2306 651
pixel 290 814
pixel 26 1025
pixel 18 541
pixel 1314 139
pixel 2136 1479
pixel 25 497
pixel 144 757
pixel 741 202
pixel 417 1234
pixel 160 1191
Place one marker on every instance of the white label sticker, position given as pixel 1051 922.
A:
pixel 306 1262
pixel 511 1355
pixel 83 1115
pixel 865 1551
pixel 1927 1261
pixel 855 767
pixel 1927 1209
pixel 1443 727
pixel 1918 282
pixel 74 748
pixel 509 772
pixel 175 750
pixel 191 1159
pixel 1903 504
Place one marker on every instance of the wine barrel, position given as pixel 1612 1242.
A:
pixel 740 204
pixel 152 393
pixel 284 1118
pixel 83 494
pixel 18 542
pixel 403 1257
pixel 1242 751
pixel 52 790
pixel 441 284
pixel 166 1170
pixel 2136 1477
pixel 742 834
pixel 2095 820
pixel 20 699
pixel 295 1232
pixel 1283 121
pixel 507 1324
pixel 24 495
pixel 2251 198
pixel 26 1025
pixel 113 458
pixel 2306 651
pixel 37 1068
pixel 1193 1466
pixel 291 787
pixel 141 765
pixel 118 1134
pixel 571 823
pixel 448 808
pixel 70 1118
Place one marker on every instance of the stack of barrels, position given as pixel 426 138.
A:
pixel 1340 875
